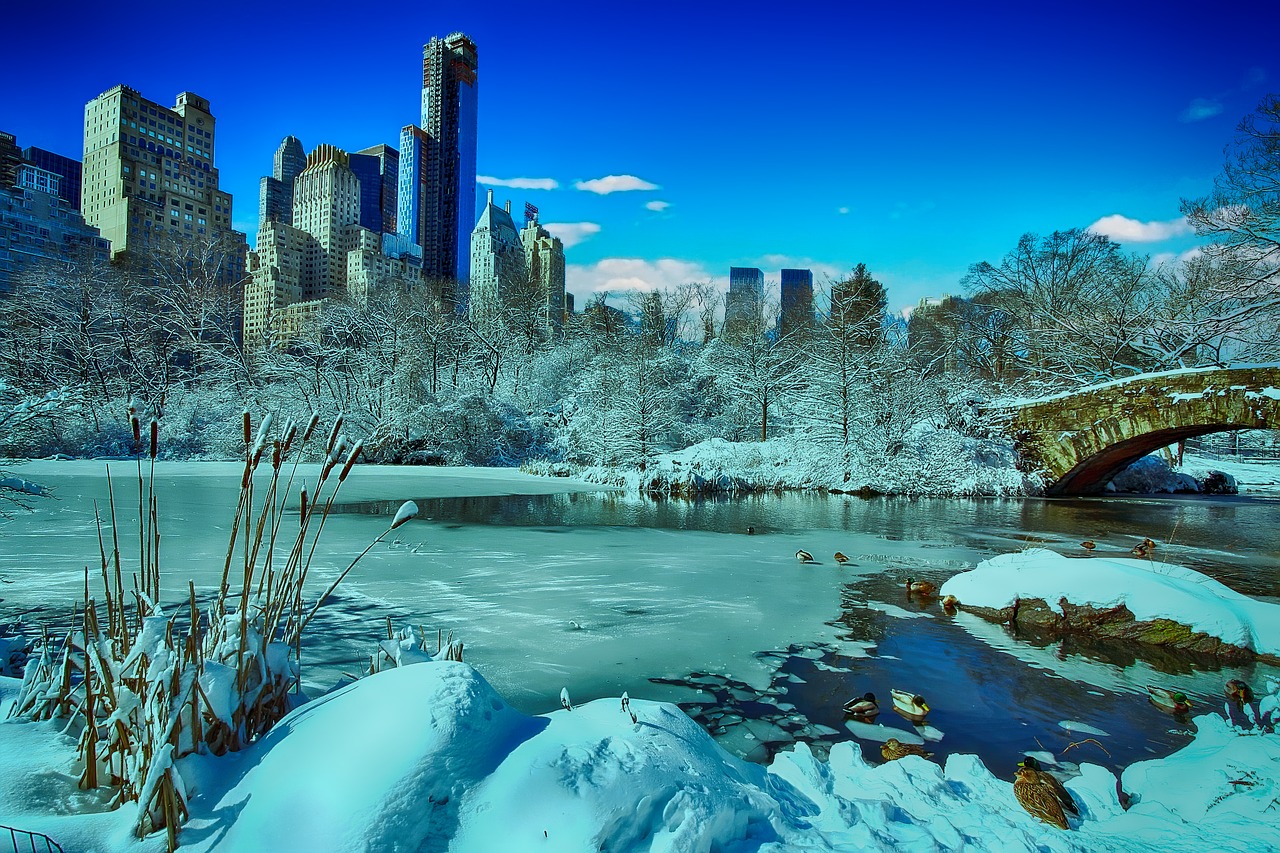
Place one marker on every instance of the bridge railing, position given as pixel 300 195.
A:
pixel 1244 446
pixel 29 842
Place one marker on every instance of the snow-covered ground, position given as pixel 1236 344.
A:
pixel 430 757
pixel 1150 589
pixel 1251 476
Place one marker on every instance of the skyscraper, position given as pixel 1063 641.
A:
pixel 745 302
pixel 388 160
pixel 497 262
pixel 326 201
pixel 66 168
pixel 797 301
pixel 449 118
pixel 275 193
pixel 148 174
pixel 544 265
pixel 10 160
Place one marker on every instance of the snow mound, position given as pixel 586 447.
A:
pixel 380 765
pixel 1151 590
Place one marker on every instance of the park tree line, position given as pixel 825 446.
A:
pixel 632 376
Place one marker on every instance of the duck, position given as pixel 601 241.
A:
pixel 909 704
pixel 950 603
pixel 1148 543
pixel 841 558
pixel 1047 778
pixel 893 749
pixel 1239 692
pixel 1088 544
pixel 1169 700
pixel 804 556
pixel 920 587
pixel 1038 798
pixel 1142 550
pixel 864 707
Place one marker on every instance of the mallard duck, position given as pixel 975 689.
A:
pixel 950 603
pixel 1088 544
pixel 1239 692
pixel 909 704
pixel 804 556
pixel 1047 778
pixel 864 707
pixel 1038 798
pixel 841 558
pixel 1149 544
pixel 1169 700
pixel 893 749
pixel 1141 551
pixel 915 587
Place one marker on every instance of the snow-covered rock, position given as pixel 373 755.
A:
pixel 1150 590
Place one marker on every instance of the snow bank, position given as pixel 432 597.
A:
pixel 429 757
pixel 1151 590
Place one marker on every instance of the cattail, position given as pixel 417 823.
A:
pixel 333 434
pixel 137 429
pixel 290 433
pixel 275 454
pixel 407 510
pixel 248 432
pixel 155 437
pixel 304 505
pixel 351 460
pixel 311 427
pixel 263 429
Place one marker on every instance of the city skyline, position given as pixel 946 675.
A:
pixel 917 145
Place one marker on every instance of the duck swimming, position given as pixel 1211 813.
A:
pixel 909 704
pixel 864 707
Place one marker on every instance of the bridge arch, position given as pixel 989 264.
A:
pixel 1084 438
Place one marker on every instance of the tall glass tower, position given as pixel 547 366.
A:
pixel 448 208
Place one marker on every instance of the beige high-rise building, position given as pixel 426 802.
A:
pixel 149 174
pixel 544 260
pixel 498 268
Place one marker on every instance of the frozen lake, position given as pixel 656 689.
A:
pixel 552 583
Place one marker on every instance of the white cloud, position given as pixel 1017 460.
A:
pixel 1169 258
pixel 1201 109
pixel 842 210
pixel 572 233
pixel 615 184
pixel 657 205
pixel 1122 229
pixel 621 274
pixel 519 183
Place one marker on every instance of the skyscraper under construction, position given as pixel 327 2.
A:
pixel 438 163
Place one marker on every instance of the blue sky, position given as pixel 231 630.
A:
pixel 917 140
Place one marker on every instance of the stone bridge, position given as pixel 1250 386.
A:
pixel 1084 438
